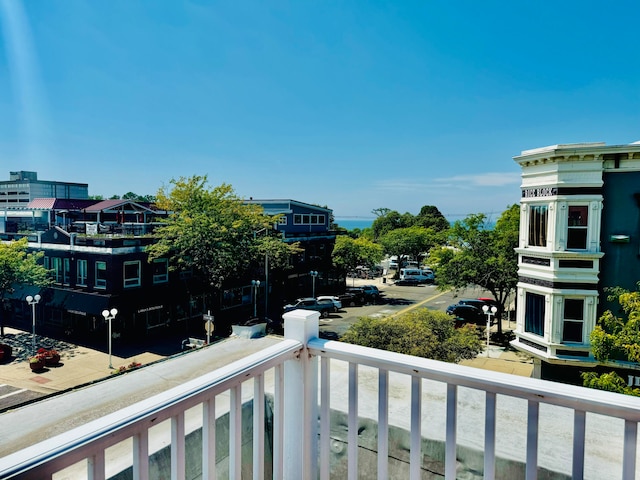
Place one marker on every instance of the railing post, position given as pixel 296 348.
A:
pixel 301 399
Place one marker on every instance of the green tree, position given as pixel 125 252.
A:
pixel 618 337
pixel 478 255
pixel 348 253
pixel 211 230
pixel 18 266
pixel 411 241
pixel 388 220
pixel 139 198
pixel 431 217
pixel 421 332
pixel 611 382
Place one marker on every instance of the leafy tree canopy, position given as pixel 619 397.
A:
pixel 18 266
pixel 477 255
pixel 412 241
pixel 431 217
pixel 611 382
pixel 348 253
pixel 387 220
pixel 211 230
pixel 139 198
pixel 618 337
pixel 421 332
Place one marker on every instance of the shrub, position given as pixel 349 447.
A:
pixel 422 333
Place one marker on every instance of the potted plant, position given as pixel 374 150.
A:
pixel 36 362
pixel 51 357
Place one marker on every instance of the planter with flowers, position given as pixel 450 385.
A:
pixel 36 362
pixel 51 357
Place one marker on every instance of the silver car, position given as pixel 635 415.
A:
pixel 337 304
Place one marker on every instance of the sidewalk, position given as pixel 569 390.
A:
pixel 78 365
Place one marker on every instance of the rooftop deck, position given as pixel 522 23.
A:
pixel 338 410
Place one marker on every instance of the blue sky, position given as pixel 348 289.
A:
pixel 350 104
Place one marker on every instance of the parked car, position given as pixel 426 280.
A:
pixel 423 276
pixel 467 313
pixel 409 281
pixel 357 296
pixel 325 307
pixel 337 303
pixel 472 301
pixel 371 292
pixel 481 302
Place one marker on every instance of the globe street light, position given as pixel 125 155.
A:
pixel 33 302
pixel 489 312
pixel 256 286
pixel 313 274
pixel 108 316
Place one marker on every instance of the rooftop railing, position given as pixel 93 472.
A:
pixel 326 396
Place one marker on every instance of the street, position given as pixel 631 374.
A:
pixel 394 300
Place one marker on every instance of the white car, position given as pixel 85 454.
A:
pixel 337 304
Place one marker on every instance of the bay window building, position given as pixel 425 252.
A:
pixel 579 229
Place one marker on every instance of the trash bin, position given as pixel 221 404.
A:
pixel 384 279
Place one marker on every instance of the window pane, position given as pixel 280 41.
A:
pixel 160 270
pixel 574 308
pixel 101 274
pixel 534 314
pixel 572 332
pixel 538 226
pixel 578 216
pixel 82 272
pixel 131 274
pixel 577 238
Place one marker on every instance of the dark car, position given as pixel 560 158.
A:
pixel 476 302
pixel 412 282
pixel 371 292
pixel 355 296
pixel 325 307
pixel 467 313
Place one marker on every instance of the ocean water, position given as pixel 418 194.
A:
pixel 351 223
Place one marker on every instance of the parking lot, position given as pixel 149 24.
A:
pixel 394 300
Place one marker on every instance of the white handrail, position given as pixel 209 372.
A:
pixel 43 459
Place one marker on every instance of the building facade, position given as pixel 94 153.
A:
pixel 579 234
pixel 23 187
pixel 96 253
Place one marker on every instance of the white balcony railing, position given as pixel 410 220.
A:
pixel 516 424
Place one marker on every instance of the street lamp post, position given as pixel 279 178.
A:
pixel 33 301
pixel 256 286
pixel 108 316
pixel 313 274
pixel 489 312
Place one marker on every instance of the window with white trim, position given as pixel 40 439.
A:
pixel 534 313
pixel 81 273
pixel 160 270
pixel 308 219
pixel 538 219
pixel 131 271
pixel 282 220
pixel 101 275
pixel 577 228
pixel 573 320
